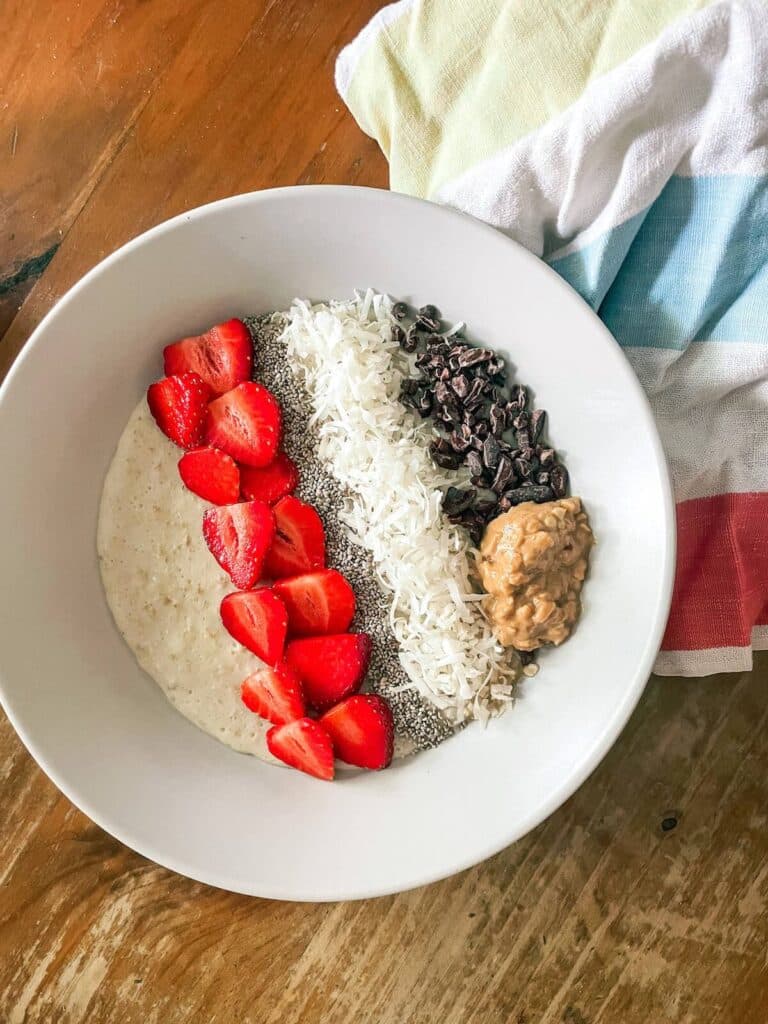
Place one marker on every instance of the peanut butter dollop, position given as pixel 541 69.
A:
pixel 533 560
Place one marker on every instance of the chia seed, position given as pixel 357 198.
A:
pixel 415 718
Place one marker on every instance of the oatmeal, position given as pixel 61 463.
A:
pixel 533 561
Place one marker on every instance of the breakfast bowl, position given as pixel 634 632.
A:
pixel 100 727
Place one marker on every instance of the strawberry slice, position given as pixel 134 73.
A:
pixel 180 407
pixel 238 537
pixel 362 731
pixel 303 744
pixel 330 667
pixel 317 602
pixel 299 543
pixel 275 694
pixel 258 620
pixel 211 475
pixel 245 423
pixel 223 356
pixel 272 482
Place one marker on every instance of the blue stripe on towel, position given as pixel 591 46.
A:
pixel 691 267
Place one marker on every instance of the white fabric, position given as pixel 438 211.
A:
pixel 667 110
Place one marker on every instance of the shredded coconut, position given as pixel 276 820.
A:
pixel 352 368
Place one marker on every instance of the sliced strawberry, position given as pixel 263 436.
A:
pixel 223 356
pixel 245 423
pixel 275 694
pixel 317 602
pixel 238 537
pixel 303 744
pixel 330 667
pixel 211 474
pixel 362 731
pixel 258 620
pixel 299 539
pixel 272 482
pixel 180 407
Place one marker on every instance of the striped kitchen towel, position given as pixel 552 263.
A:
pixel 626 143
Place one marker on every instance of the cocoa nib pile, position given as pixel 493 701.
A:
pixel 483 423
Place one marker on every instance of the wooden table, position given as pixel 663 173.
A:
pixel 642 901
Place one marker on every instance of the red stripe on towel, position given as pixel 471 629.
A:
pixel 721 583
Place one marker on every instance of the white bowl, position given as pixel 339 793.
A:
pixel 104 732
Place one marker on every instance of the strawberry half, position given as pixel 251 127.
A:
pixel 299 543
pixel 223 356
pixel 257 619
pixel 275 694
pixel 317 602
pixel 211 475
pixel 180 408
pixel 330 667
pixel 362 731
pixel 245 423
pixel 305 745
pixel 272 482
pixel 239 537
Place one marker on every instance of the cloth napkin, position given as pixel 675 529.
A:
pixel 626 143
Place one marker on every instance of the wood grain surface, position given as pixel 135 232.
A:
pixel 114 116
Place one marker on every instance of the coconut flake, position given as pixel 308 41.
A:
pixel 352 368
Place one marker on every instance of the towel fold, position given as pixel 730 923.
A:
pixel 626 143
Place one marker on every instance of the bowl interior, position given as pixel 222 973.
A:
pixel 104 732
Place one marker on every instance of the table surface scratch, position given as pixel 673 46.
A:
pixel 114 116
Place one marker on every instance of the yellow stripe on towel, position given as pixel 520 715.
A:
pixel 428 81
